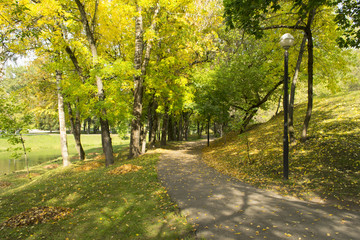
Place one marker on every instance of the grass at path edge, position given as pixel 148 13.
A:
pixel 128 206
pixel 324 169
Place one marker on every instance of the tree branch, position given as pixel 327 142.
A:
pixel 284 26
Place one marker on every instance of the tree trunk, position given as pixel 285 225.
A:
pixel 150 120
pixel 139 79
pixel 159 132
pixel 62 124
pixel 208 132
pixel 105 131
pixel 278 105
pixel 181 128
pixel 106 141
pixel 247 118
pixel 25 155
pixel 215 130
pixel 310 76
pixel 186 124
pixel 292 92
pixel 164 127
pixel 76 131
pixel 198 129
pixel 89 125
pixel 84 125
pixel 143 140
pixel 153 123
pixel 138 87
pixel 171 127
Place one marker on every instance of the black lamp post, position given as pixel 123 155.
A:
pixel 286 41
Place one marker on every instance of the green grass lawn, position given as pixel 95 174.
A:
pixel 326 168
pixel 128 206
pixel 45 147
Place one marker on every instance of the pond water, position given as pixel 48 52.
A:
pixel 9 165
pixel 40 148
pixel 46 147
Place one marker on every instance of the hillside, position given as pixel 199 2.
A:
pixel 326 168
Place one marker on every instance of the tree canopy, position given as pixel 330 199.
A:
pixel 161 67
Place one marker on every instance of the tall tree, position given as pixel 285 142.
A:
pixel 140 64
pixel 89 29
pixel 255 17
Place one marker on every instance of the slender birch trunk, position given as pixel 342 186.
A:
pixel 135 149
pixel 63 138
pixel 140 65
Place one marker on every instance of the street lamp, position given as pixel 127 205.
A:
pixel 286 41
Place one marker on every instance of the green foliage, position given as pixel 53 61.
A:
pixel 246 71
pixel 248 14
pixel 348 18
pixel 14 120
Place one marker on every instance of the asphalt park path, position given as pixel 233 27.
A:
pixel 221 207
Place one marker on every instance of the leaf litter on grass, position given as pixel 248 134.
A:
pixel 89 166
pixel 126 168
pixel 325 168
pixel 4 184
pixel 35 216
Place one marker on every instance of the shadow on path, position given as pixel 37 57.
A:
pixel 221 207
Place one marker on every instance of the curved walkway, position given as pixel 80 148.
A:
pixel 221 207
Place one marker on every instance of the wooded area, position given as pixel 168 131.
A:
pixel 156 71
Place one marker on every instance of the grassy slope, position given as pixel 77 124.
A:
pixel 326 168
pixel 129 206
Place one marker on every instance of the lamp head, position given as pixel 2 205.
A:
pixel 286 41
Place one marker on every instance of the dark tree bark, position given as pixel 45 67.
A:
pixel 215 129
pixel 208 131
pixel 84 126
pixel 292 92
pixel 199 129
pixel 153 127
pixel 171 127
pixel 76 131
pixel 164 126
pixel 90 34
pixel 181 128
pixel 152 121
pixel 310 75
pixel 89 125
pixel 186 124
pixel 252 110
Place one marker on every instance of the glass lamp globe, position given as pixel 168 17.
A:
pixel 286 41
